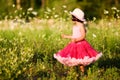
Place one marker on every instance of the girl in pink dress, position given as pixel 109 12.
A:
pixel 78 51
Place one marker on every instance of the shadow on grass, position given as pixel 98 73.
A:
pixel 109 62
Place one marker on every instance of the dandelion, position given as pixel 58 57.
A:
pixel 20 15
pixel 109 24
pixel 15 11
pixel 114 8
pixel 34 13
pixel 53 8
pixel 55 16
pixel 106 12
pixel 30 9
pixel 19 33
pixel 118 11
pixel 118 16
pixel 46 12
pixel 47 17
pixel 48 9
pixel 94 35
pixel 64 6
pixel 94 18
pixel 20 8
pixel 65 11
pixel 13 5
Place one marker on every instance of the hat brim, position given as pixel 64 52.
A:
pixel 77 17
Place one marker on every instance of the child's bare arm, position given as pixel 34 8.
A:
pixel 66 36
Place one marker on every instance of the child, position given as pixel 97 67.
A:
pixel 78 51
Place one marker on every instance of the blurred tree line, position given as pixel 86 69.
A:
pixel 92 8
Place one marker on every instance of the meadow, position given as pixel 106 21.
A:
pixel 26 50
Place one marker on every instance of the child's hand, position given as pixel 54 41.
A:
pixel 66 36
pixel 73 40
pixel 63 35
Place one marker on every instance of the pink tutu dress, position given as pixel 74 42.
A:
pixel 80 53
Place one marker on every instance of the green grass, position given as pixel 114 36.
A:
pixel 26 50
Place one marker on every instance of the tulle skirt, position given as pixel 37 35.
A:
pixel 80 53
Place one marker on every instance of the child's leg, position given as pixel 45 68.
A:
pixel 82 68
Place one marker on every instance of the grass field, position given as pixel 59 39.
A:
pixel 26 50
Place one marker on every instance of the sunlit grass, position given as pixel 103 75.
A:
pixel 26 50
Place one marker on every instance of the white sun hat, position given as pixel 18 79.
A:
pixel 79 14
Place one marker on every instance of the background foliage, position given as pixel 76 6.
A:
pixel 92 8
